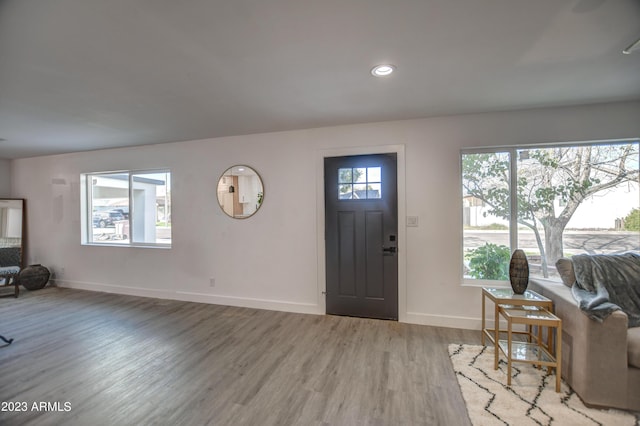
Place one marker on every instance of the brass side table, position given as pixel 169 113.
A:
pixel 535 351
pixel 505 296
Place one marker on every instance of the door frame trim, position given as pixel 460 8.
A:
pixel 402 229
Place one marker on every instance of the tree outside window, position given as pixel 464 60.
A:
pixel 561 200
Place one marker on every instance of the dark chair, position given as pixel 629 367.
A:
pixel 10 260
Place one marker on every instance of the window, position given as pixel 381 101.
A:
pixel 551 201
pixel 359 183
pixel 127 208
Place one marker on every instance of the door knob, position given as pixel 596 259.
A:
pixel 389 249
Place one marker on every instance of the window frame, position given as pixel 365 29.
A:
pixel 512 151
pixel 86 205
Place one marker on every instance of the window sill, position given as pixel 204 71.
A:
pixel 135 245
pixel 504 284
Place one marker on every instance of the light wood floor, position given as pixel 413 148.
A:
pixel 123 360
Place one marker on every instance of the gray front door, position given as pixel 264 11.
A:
pixel 361 226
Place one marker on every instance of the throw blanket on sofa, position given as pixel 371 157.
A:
pixel 607 283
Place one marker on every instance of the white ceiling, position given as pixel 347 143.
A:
pixel 89 74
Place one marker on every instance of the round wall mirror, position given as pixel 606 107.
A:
pixel 240 192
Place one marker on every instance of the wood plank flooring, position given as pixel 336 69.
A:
pixel 124 360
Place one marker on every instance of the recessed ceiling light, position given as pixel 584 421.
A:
pixel 382 70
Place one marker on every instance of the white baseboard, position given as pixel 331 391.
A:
pixel 112 288
pixel 443 321
pixel 255 303
pixel 248 302
pixel 185 296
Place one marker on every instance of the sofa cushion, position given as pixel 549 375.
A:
pixel 565 269
pixel 633 344
pixel 10 256
pixel 8 270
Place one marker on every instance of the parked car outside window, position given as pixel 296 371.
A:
pixel 104 219
pixel 123 210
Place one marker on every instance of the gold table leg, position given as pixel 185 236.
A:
pixel 496 326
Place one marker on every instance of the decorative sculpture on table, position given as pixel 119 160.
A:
pixel 519 271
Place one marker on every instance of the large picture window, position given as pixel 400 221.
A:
pixel 127 208
pixel 551 201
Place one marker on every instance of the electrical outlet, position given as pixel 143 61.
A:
pixel 212 282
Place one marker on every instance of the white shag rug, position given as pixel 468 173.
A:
pixel 531 399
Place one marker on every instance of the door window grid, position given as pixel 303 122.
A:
pixel 360 183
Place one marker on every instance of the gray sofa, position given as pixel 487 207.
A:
pixel 600 361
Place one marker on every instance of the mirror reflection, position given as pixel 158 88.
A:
pixel 240 192
pixel 11 217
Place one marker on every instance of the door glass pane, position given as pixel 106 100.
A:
pixel 374 190
pixel 373 174
pixel 360 191
pixel 345 176
pixel 345 191
pixel 360 175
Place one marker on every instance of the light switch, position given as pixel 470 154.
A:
pixel 412 221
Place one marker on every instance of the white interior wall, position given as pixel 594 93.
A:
pixel 5 178
pixel 271 259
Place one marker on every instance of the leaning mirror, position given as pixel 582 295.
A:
pixel 11 231
pixel 240 192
